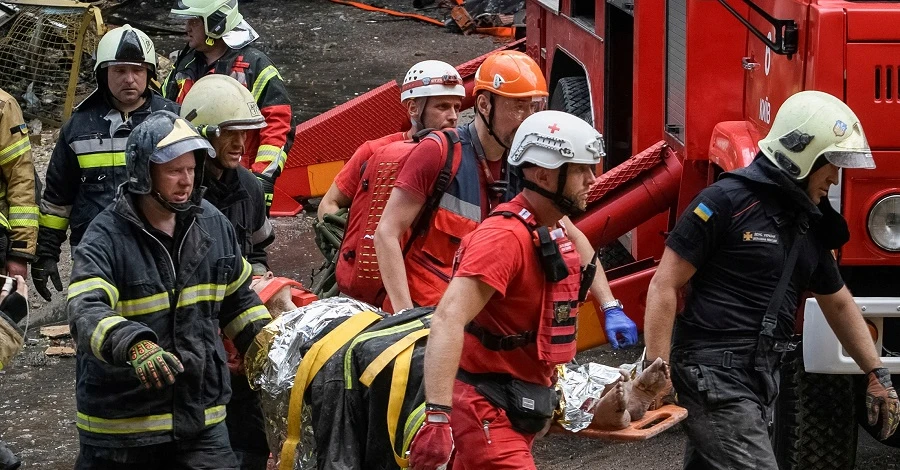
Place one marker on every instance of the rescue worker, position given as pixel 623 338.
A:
pixel 750 245
pixel 429 94
pixel 156 277
pixel 509 87
pixel 433 93
pixel 219 42
pixel 491 338
pixel 88 162
pixel 18 208
pixel 224 111
pixel 13 308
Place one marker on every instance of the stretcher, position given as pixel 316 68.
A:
pixel 653 423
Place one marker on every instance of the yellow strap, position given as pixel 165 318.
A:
pixel 309 366
pixel 388 355
pixel 398 393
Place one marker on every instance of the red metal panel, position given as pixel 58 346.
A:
pixel 649 72
pixel 861 190
pixel 878 108
pixel 872 22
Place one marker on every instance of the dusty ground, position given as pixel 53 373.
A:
pixel 327 53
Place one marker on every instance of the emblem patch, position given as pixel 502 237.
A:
pixel 703 212
pixel 840 128
pixel 761 237
pixel 498 80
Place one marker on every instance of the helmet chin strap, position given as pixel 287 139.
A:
pixel 489 122
pixel 564 204
pixel 175 208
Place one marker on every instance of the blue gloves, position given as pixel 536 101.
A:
pixel 617 323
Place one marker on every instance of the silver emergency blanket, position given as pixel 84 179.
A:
pixel 273 373
pixel 582 386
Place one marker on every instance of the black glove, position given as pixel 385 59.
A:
pixel 42 270
pixel 268 185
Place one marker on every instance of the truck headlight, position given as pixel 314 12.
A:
pixel 884 223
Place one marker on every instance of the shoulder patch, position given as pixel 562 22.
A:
pixel 20 128
pixel 703 212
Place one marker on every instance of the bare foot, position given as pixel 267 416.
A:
pixel 611 412
pixel 646 387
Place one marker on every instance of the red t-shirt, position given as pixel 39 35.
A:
pixel 500 253
pixel 422 167
pixel 347 180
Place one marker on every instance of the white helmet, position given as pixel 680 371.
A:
pixel 549 139
pixel 126 45
pixel 219 16
pixel 219 101
pixel 813 124
pixel 431 78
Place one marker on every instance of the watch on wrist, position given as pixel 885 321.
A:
pixel 438 408
pixel 611 304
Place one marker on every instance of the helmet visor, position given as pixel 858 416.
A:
pixel 852 152
pixel 176 149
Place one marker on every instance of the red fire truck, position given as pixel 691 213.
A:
pixel 697 82
pixel 682 90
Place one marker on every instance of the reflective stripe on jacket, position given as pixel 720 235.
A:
pixel 125 289
pixel 86 168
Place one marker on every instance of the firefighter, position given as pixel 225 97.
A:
pixel 88 162
pixel 18 208
pixel 509 314
pixel 429 94
pixel 750 245
pixel 219 42
pixel 157 276
pixel 13 308
pixel 509 87
pixel 223 110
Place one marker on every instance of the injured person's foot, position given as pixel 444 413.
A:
pixel 645 388
pixel 611 412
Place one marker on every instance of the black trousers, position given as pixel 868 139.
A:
pixel 246 426
pixel 208 451
pixel 730 413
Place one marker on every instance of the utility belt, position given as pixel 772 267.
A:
pixel 734 354
pixel 529 406
pixel 500 343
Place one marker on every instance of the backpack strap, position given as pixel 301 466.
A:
pixel 448 141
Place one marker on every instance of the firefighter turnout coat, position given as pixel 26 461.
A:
pixel 86 168
pixel 124 289
pixel 18 208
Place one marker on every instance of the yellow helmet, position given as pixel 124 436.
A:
pixel 813 124
pixel 221 101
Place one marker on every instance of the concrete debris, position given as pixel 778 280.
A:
pixel 56 332
pixel 60 351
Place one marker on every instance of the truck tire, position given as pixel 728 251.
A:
pixel 815 419
pixel 573 96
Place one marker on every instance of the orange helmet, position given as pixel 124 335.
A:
pixel 511 74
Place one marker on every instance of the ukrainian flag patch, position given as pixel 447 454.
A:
pixel 703 212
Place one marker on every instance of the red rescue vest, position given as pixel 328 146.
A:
pixel 555 335
pixel 357 272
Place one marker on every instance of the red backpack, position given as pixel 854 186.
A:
pixel 357 272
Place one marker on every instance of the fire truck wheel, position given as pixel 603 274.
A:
pixel 572 96
pixel 815 425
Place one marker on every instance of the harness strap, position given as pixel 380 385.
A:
pixel 312 362
pixel 399 381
